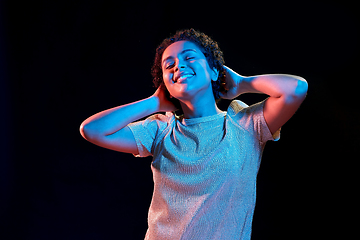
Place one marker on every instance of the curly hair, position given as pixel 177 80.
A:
pixel 209 48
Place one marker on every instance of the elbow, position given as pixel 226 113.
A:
pixel 298 92
pixel 90 132
pixel 301 88
pixel 83 130
pixel 86 132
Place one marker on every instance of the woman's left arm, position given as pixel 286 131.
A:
pixel 286 93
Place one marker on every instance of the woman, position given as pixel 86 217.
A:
pixel 205 162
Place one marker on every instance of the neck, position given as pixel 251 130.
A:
pixel 199 108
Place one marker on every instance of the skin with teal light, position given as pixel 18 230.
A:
pixel 187 76
pixel 184 75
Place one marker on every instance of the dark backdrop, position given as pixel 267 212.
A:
pixel 64 61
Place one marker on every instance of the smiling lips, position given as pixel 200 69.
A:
pixel 182 76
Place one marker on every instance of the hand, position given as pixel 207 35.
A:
pixel 232 84
pixel 164 104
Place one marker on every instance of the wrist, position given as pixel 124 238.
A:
pixel 153 104
pixel 246 85
pixel 242 84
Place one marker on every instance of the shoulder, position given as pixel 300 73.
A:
pixel 164 118
pixel 146 131
pixel 251 118
pixel 238 109
pixel 236 106
pixel 242 113
pixel 153 123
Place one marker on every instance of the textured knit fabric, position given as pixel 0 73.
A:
pixel 204 172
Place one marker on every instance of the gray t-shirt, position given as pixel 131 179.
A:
pixel 204 172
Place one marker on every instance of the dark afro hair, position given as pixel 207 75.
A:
pixel 210 49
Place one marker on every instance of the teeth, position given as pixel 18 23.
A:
pixel 185 76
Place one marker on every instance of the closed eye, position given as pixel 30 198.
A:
pixel 170 65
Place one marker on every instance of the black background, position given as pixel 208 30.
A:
pixel 64 61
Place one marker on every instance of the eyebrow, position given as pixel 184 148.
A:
pixel 184 51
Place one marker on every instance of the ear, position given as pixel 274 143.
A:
pixel 214 74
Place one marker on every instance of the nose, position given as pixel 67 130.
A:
pixel 180 65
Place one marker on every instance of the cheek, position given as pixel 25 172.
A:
pixel 167 76
pixel 201 65
pixel 202 70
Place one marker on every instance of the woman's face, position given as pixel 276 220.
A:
pixel 186 72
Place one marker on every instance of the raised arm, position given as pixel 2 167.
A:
pixel 286 93
pixel 108 128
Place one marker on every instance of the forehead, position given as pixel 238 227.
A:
pixel 177 47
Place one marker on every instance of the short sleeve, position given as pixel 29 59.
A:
pixel 146 131
pixel 251 118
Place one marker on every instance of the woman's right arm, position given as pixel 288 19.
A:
pixel 108 128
